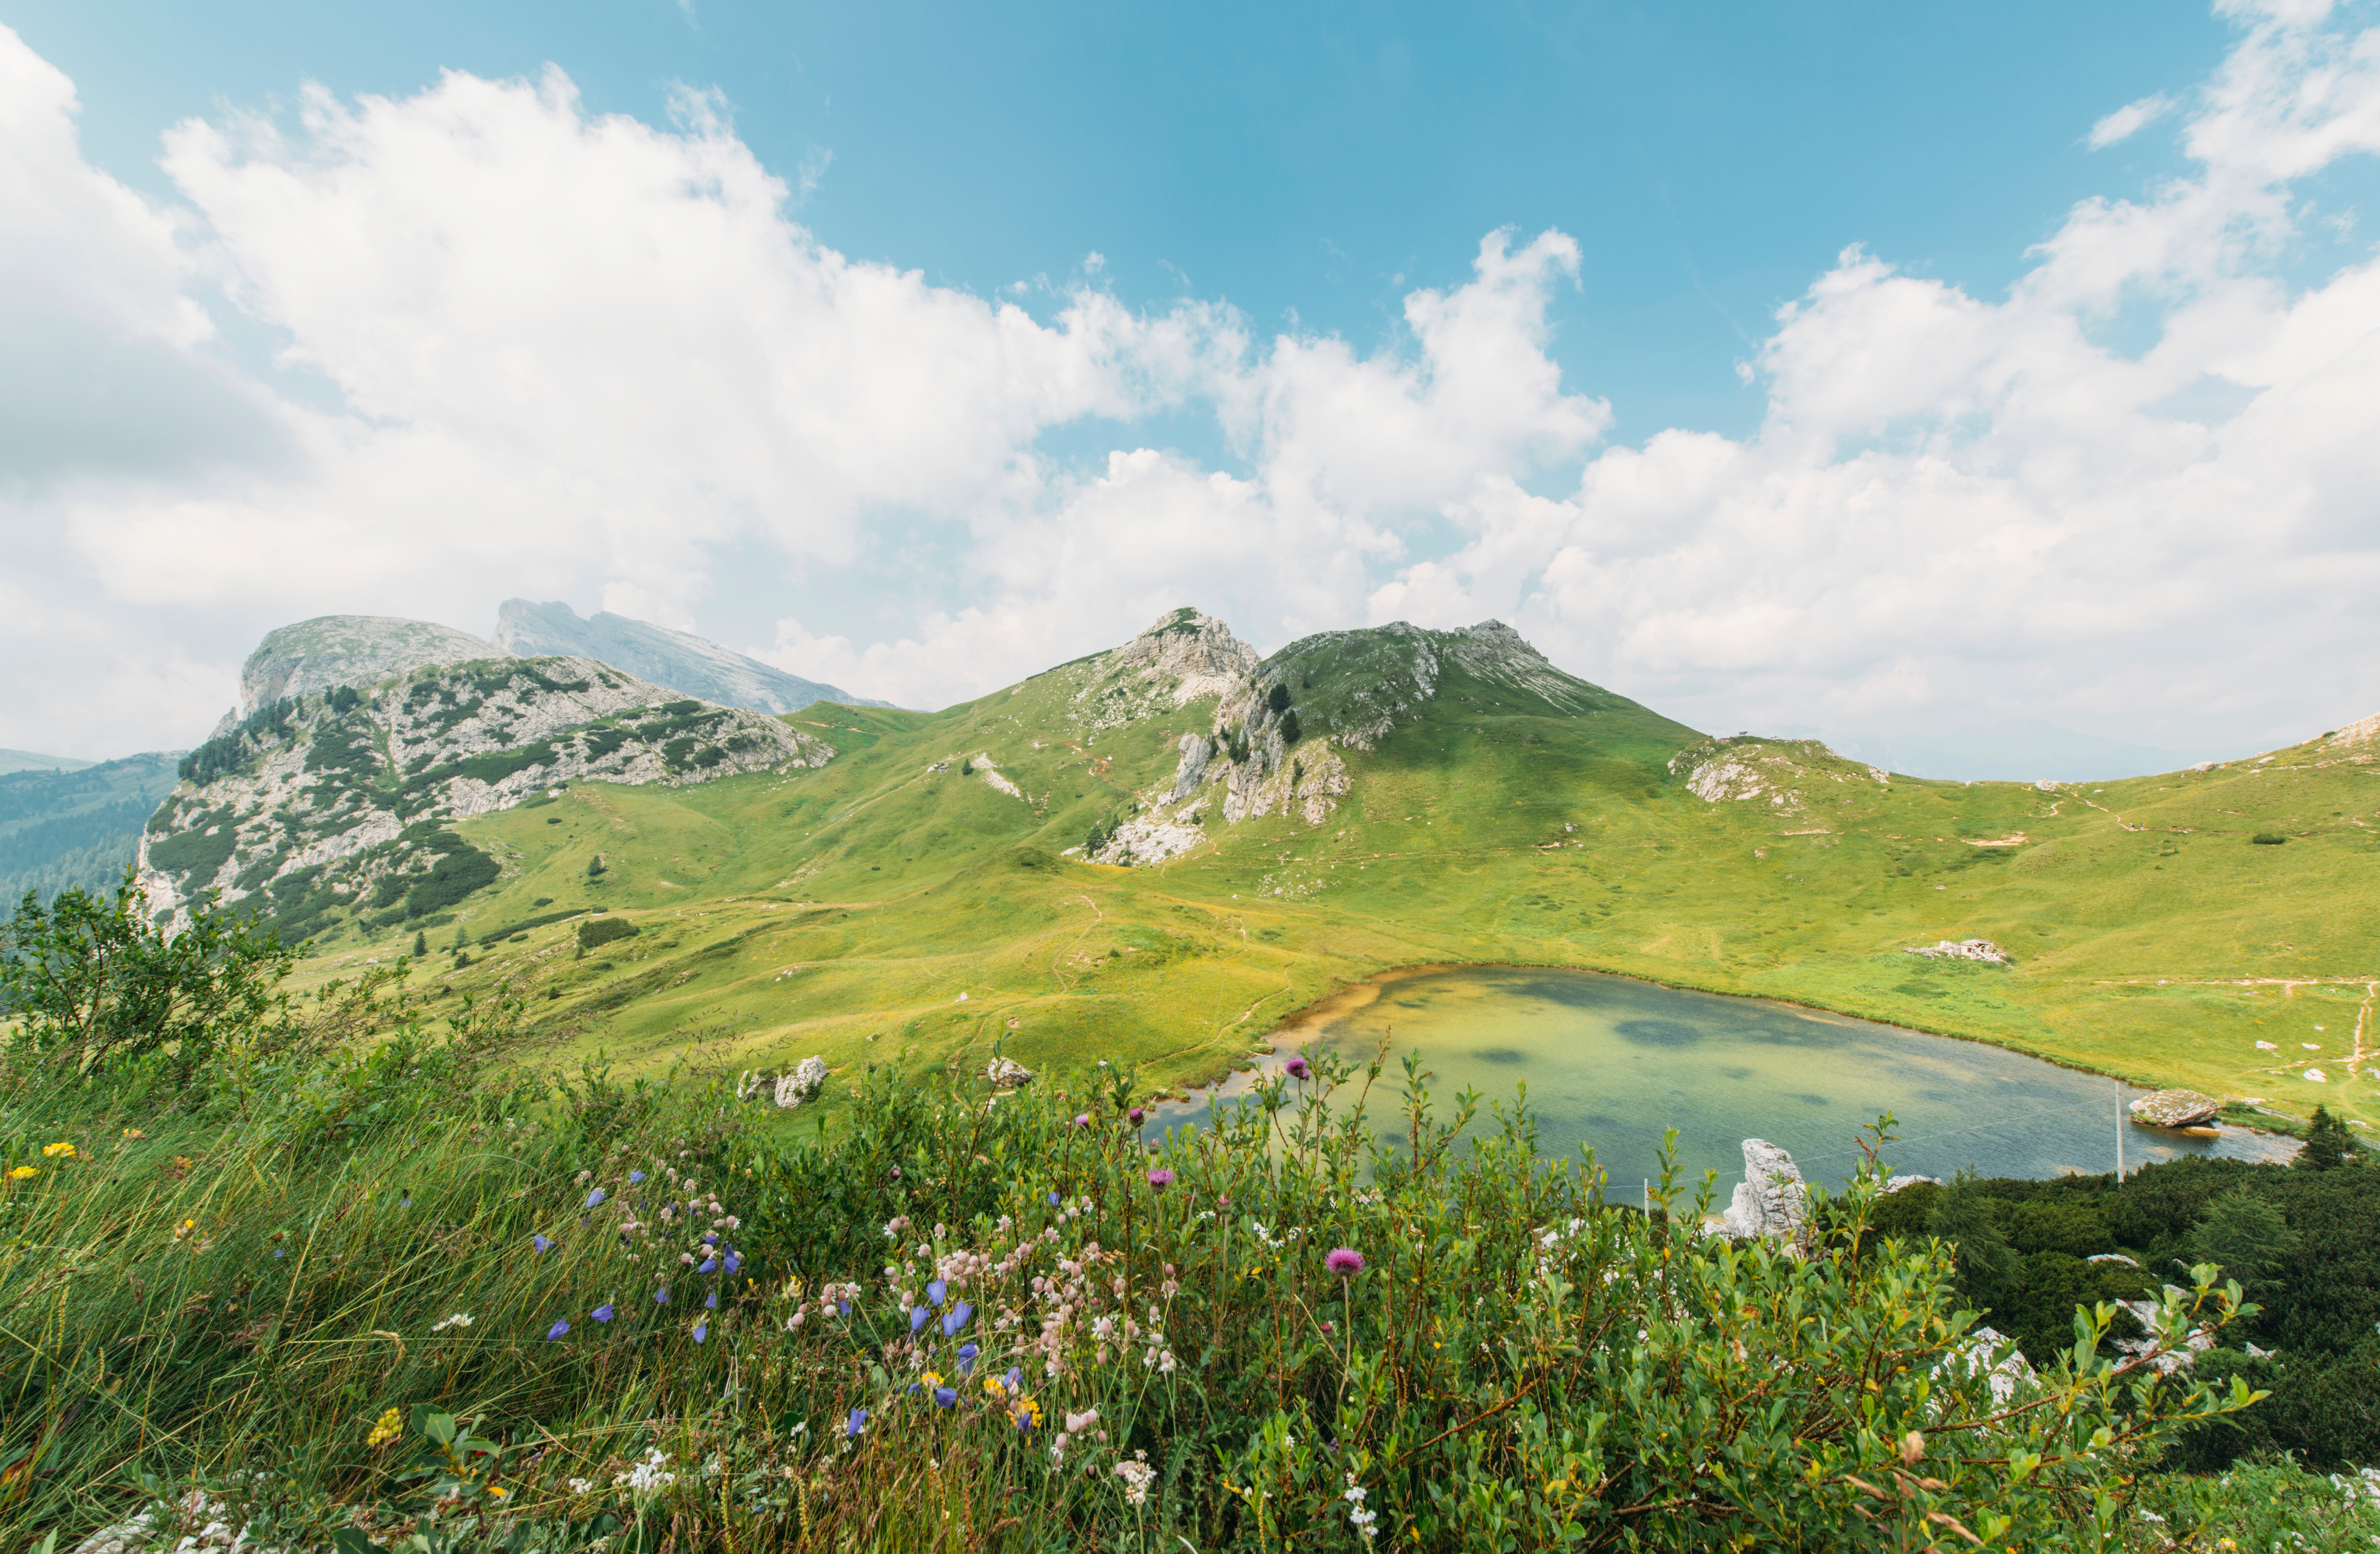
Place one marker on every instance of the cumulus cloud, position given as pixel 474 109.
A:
pixel 524 349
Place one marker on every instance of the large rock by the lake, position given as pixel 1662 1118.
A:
pixel 1771 1200
pixel 2177 1109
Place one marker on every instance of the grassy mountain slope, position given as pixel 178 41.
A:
pixel 914 895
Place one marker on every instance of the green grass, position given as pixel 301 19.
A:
pixel 844 911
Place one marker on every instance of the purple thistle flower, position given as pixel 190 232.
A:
pixel 635 1177
pixel 1161 1177
pixel 1297 1068
pixel 1082 1119
pixel 603 1312
pixel 936 1290
pixel 956 1318
pixel 712 1303
pixel 660 1296
pixel 1138 1116
pixel 856 1425
pixel 968 1352
pixel 701 1331
pixel 708 1264
pixel 556 1332
pixel 541 1244
pixel 1345 1262
pixel 595 1198
pixel 917 1316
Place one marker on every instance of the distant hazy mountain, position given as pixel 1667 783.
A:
pixel 675 658
pixel 27 760
pixel 313 655
pixel 76 826
pixel 2000 748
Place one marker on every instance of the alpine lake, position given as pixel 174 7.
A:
pixel 1609 1064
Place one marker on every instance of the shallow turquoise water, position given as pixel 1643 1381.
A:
pixel 1609 1062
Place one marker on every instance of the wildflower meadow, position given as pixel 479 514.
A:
pixel 365 1280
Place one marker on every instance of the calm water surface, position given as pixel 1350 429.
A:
pixel 1609 1062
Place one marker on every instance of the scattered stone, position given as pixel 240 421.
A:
pixel 1771 1200
pixel 2152 1348
pixel 1900 1182
pixel 2177 1109
pixel 1007 1073
pixel 2111 1258
pixel 1961 949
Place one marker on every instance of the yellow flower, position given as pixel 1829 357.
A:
pixel 24 1173
pixel 387 1428
pixel 933 1379
pixel 60 1150
pixel 991 1385
pixel 1027 1412
pixel 497 1491
pixel 134 1133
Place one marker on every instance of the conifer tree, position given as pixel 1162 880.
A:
pixel 2328 1143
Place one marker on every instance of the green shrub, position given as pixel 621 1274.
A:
pixel 452 876
pixel 603 930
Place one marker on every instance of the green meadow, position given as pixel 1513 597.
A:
pixel 897 904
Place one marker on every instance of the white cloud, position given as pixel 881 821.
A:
pixel 2129 120
pixel 576 356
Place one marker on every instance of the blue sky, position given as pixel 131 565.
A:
pixel 1313 162
pixel 2020 460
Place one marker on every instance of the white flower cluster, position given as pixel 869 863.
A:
pixel 1357 1517
pixel 648 1475
pixel 460 1319
pixel 1137 1476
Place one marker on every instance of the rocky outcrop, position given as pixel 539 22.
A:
pixel 314 656
pixel 2176 1109
pixel 1772 1200
pixel 1782 773
pixel 1007 1073
pixel 787 1090
pixel 1961 949
pixel 333 807
pixel 677 659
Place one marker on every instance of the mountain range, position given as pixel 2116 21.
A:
pixel 1157 852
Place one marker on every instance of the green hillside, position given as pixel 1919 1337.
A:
pixel 1378 798
pixel 79 826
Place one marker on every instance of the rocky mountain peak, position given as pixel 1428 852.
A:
pixel 1192 650
pixel 312 656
